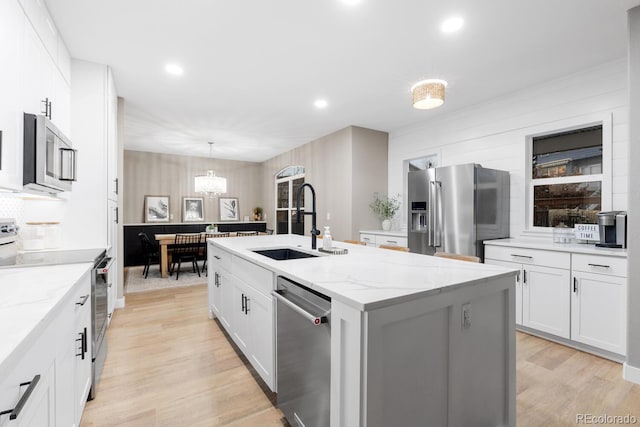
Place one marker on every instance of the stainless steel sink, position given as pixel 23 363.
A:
pixel 282 254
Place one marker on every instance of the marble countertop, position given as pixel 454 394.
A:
pixel 28 299
pixel 395 233
pixel 578 248
pixel 367 277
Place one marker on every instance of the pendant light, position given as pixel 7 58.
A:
pixel 210 184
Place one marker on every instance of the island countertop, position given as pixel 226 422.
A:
pixel 366 278
pixel 28 299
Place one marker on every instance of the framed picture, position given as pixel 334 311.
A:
pixel 156 208
pixel 229 209
pixel 192 209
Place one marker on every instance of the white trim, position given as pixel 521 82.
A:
pixel 630 373
pixel 290 180
pixel 120 303
pixel 604 119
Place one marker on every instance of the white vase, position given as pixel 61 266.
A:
pixel 386 224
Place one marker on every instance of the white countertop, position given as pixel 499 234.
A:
pixel 580 248
pixel 366 278
pixel 28 298
pixel 394 233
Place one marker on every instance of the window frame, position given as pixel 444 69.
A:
pixel 604 120
pixel 291 207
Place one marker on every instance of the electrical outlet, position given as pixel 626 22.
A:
pixel 466 316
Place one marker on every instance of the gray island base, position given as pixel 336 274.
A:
pixel 415 340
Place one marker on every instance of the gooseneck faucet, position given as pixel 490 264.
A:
pixel 314 231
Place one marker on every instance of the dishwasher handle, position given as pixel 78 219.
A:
pixel 316 320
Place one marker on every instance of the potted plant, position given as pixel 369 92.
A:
pixel 385 208
pixel 257 213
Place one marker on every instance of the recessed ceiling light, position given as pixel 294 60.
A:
pixel 452 24
pixel 174 69
pixel 321 103
pixel 351 2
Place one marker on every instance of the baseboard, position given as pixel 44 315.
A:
pixel 120 302
pixel 631 373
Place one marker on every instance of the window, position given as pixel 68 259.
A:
pixel 567 177
pixel 288 181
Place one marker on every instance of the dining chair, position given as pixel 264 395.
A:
pixel 186 248
pixel 246 233
pixel 355 242
pixel 149 251
pixel 267 231
pixel 210 236
pixel 469 258
pixel 394 248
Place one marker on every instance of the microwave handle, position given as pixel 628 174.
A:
pixel 67 164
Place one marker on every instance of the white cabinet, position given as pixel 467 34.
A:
pixel 38 410
pixel 239 296
pixel 577 296
pixel 377 238
pixel 599 303
pixel 11 29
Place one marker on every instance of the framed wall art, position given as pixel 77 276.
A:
pixel 192 209
pixel 229 209
pixel 156 208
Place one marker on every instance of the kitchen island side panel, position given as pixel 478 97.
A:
pixel 422 363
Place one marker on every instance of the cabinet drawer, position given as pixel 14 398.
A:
pixel 391 240
pixel 259 278
pixel 369 239
pixel 529 256
pixel 220 257
pixel 613 266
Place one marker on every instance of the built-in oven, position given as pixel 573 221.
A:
pixel 49 160
pixel 100 283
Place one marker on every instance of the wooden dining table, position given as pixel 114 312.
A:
pixel 164 240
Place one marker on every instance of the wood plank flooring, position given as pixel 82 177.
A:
pixel 169 365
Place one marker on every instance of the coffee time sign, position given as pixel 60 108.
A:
pixel 586 231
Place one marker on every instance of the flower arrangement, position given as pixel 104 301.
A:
pixel 386 207
pixel 257 213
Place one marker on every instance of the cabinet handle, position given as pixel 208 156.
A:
pixel 216 257
pixel 242 299
pixel 518 277
pixel 216 281
pixel 246 305
pixel 392 241
pixel 575 284
pixel 83 300
pixel 85 346
pixel 599 265
pixel 117 220
pixel 47 108
pixel 15 412
pixel 116 182
pixel 522 256
pixel 366 239
pixel 524 276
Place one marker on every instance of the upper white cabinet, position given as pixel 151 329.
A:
pixel 11 29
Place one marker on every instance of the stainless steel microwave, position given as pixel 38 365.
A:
pixel 49 160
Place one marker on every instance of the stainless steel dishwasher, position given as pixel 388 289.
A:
pixel 303 353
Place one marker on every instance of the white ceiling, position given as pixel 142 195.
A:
pixel 253 68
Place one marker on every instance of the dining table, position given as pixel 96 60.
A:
pixel 165 240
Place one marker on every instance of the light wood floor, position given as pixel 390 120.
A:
pixel 169 365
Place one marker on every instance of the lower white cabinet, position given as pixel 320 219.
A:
pixel 373 238
pixel 585 302
pixel 244 309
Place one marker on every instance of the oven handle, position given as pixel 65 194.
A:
pixel 105 269
pixel 316 320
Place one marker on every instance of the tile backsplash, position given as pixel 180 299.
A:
pixel 11 206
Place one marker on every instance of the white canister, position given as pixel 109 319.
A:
pixel 52 235
pixel 32 236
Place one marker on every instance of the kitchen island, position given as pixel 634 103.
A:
pixel 415 340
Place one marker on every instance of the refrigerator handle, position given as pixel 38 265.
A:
pixel 438 215
pixel 431 213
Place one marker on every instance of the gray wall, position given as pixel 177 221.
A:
pixel 633 236
pixel 159 174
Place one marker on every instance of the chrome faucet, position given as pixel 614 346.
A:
pixel 314 230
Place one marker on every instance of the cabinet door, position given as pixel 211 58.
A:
pixel 240 323
pixel 518 284
pixel 546 299
pixel 228 303
pixel 11 32
pixel 599 311
pixel 39 410
pixel 35 72
pixel 215 293
pixel 83 365
pixel 261 325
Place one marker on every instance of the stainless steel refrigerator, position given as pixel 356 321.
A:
pixel 455 208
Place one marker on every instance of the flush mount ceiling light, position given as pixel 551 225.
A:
pixel 452 24
pixel 210 184
pixel 174 69
pixel 321 103
pixel 428 94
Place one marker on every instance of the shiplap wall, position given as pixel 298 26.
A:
pixel 493 134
